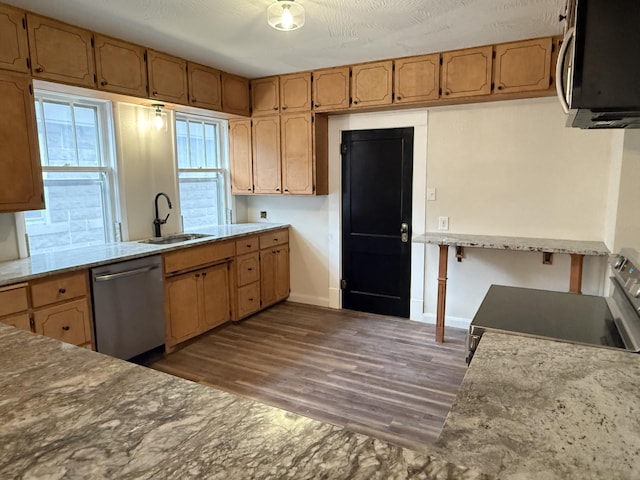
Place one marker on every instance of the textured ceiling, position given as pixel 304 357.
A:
pixel 233 35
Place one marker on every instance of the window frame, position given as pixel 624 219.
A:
pixel 225 211
pixel 106 145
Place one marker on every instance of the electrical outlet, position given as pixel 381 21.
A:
pixel 443 223
pixel 431 194
pixel 263 214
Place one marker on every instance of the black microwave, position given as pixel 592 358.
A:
pixel 598 71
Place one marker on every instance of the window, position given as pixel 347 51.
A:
pixel 201 153
pixel 78 172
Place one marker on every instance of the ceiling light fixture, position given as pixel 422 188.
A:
pixel 158 121
pixel 285 15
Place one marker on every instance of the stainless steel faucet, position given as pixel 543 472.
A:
pixel 157 221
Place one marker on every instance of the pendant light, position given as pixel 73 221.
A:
pixel 158 121
pixel 285 15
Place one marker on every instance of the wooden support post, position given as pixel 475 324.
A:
pixel 442 292
pixel 575 281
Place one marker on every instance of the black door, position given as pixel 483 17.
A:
pixel 377 170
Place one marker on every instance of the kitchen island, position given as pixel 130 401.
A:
pixel 540 409
pixel 67 412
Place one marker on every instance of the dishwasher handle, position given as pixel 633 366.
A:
pixel 128 273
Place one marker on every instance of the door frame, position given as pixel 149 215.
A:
pixel 371 121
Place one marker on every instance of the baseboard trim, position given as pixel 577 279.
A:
pixel 449 321
pixel 308 299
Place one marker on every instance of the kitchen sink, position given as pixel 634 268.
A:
pixel 176 238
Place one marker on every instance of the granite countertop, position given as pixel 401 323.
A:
pixel 514 243
pixel 67 412
pixel 44 264
pixel 539 409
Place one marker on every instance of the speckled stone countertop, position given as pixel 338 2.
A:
pixel 539 409
pixel 514 243
pixel 70 413
pixel 85 257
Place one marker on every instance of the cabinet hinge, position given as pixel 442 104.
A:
pixel 313 118
pixel 28 62
pixel 441 63
pixel 343 284
pixel 95 78
pixel 32 324
pixel 493 86
pixel 144 55
pixel 313 188
pixel 31 89
pixel 24 23
pixel 553 47
pixel 92 42
pixel 343 148
pixel 493 54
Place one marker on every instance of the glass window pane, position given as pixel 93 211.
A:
pixel 196 145
pixel 201 197
pixel 181 144
pixel 41 138
pixel 87 136
pixel 75 213
pixel 211 145
pixel 61 148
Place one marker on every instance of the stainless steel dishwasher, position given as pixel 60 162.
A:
pixel 128 307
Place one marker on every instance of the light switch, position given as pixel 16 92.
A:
pixel 431 194
pixel 443 223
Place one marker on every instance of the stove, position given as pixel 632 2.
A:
pixel 607 322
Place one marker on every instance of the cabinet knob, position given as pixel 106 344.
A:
pixel 197 275
pixel 103 83
pixel 66 328
pixel 275 239
pixel 277 189
pixel 317 104
pixel 249 269
pixel 275 108
pixel 447 92
pixel 204 274
pixel 500 87
pixel 398 97
pixel 355 102
pixel 62 290
pixel 154 93
pixel 286 189
pixel 39 69
pixel 248 189
pixel 284 107
pixel 251 299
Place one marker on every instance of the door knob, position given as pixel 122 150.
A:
pixel 404 232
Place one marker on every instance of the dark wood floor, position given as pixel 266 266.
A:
pixel 382 376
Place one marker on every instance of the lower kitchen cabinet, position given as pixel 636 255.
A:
pixel 274 267
pixel 196 302
pixel 68 322
pixel 20 321
pixel 248 280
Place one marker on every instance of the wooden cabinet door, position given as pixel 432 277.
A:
pixel 215 296
pixel 297 154
pixel 20 321
pixel 240 156
pixel 266 154
pixel 13 299
pixel 60 52
pixel 265 96
pixel 466 73
pixel 167 77
pixel 235 95
pixel 182 307
pixel 372 84
pixel 120 66
pixel 295 92
pixel 21 177
pixel 14 48
pixel 268 276
pixel 205 87
pixel 417 79
pixel 248 268
pixel 248 299
pixel 523 66
pixel 282 272
pixel 68 322
pixel 331 89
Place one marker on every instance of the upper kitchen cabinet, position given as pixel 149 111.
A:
pixel 297 154
pixel 372 84
pixel 466 73
pixel 240 156
pixel 265 133
pixel 167 77
pixel 14 48
pixel 21 178
pixel 120 66
pixel 331 89
pixel 265 96
pixel 60 52
pixel 417 79
pixel 523 66
pixel 235 95
pixel 205 87
pixel 295 93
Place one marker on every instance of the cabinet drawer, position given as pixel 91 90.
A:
pixel 58 288
pixel 247 245
pixel 248 267
pixel 19 321
pixel 195 256
pixel 248 299
pixel 68 322
pixel 13 299
pixel 274 238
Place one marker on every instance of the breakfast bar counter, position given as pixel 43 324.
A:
pixel 67 412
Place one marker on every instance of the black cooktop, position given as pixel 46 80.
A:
pixel 568 317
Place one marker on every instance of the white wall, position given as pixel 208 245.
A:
pixel 504 168
pixel 627 225
pixel 8 239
